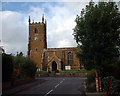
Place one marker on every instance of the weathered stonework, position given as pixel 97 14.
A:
pixel 50 59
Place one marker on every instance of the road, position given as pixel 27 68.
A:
pixel 58 85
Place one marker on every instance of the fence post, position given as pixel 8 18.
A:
pixel 97 84
pixel 110 89
pixel 100 88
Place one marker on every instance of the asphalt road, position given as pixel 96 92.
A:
pixel 58 85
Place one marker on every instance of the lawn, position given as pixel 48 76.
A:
pixel 41 72
pixel 82 70
pixel 65 71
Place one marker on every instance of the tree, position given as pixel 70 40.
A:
pixel 19 60
pixel 7 67
pixel 96 33
pixel 29 68
pixel 24 66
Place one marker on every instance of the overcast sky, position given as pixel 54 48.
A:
pixel 60 18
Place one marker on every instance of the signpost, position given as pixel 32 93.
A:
pixel 67 67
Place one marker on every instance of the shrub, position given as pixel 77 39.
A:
pixel 105 83
pixel 90 81
pixel 91 77
pixel 25 65
pixel 116 88
pixel 116 70
pixel 29 68
pixel 56 71
pixel 19 61
pixel 7 67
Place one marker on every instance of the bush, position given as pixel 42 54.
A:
pixel 29 68
pixel 116 88
pixel 90 81
pixel 105 83
pixel 7 67
pixel 91 77
pixel 56 71
pixel 44 68
pixel 116 70
pixel 25 65
pixel 19 61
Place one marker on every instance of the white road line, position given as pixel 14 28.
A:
pixel 61 81
pixel 57 85
pixel 48 92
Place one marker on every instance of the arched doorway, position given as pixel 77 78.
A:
pixel 54 66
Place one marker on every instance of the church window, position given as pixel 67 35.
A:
pixel 36 38
pixel 36 49
pixel 36 30
pixel 70 58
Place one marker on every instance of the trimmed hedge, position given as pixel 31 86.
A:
pixel 7 67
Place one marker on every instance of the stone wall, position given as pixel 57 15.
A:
pixel 67 74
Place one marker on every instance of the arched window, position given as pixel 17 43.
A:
pixel 36 38
pixel 70 58
pixel 36 30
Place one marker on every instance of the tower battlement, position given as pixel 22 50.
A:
pixel 43 22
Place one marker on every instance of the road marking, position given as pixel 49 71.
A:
pixel 57 85
pixel 48 92
pixel 61 81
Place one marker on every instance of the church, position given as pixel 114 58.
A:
pixel 50 59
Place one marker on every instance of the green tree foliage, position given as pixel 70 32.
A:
pixel 106 83
pixel 96 32
pixel 116 88
pixel 29 68
pixel 19 60
pixel 91 77
pixel 7 67
pixel 25 65
pixel 116 70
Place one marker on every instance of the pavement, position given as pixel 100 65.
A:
pixel 20 88
pixel 96 94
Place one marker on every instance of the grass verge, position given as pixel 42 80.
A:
pixel 82 70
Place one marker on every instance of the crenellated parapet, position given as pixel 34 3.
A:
pixel 43 21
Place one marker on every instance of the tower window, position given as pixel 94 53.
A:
pixel 36 38
pixel 36 30
pixel 36 49
pixel 70 58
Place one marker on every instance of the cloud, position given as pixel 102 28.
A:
pixel 36 13
pixel 14 32
pixel 60 24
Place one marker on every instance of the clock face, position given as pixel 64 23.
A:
pixel 36 38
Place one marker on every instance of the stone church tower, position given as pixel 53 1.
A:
pixel 37 41
pixel 50 59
